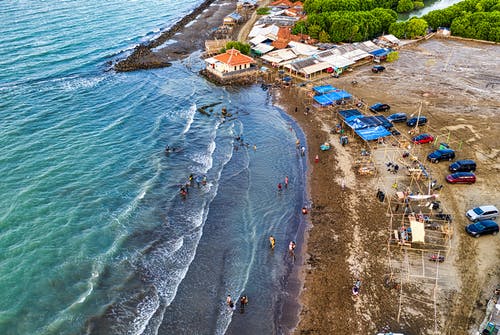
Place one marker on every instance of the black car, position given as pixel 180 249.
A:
pixel 413 121
pixel 441 155
pixel 482 228
pixel 380 107
pixel 378 68
pixel 397 117
pixel 464 165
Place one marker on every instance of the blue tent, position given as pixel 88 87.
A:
pixel 373 133
pixel 380 52
pixel 349 112
pixel 332 97
pixel 323 89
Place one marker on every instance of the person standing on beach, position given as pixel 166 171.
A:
pixel 286 181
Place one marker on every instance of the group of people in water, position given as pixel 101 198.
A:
pixel 199 180
pixel 243 302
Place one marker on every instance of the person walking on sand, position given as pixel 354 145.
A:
pixel 272 242
pixel 286 181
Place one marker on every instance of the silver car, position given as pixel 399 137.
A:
pixel 487 212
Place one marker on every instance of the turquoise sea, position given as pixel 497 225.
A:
pixel 94 236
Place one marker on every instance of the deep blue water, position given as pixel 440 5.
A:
pixel 94 236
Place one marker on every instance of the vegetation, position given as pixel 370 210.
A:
pixel 359 20
pixel 393 56
pixel 244 48
pixel 469 18
pixel 263 10
pixel 412 28
pixel 346 26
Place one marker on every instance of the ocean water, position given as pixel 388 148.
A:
pixel 94 236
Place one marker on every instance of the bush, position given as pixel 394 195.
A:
pixel 244 48
pixel 263 10
pixel 393 56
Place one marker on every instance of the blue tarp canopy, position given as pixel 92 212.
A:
pixel 380 52
pixel 332 97
pixel 373 133
pixel 349 112
pixel 324 89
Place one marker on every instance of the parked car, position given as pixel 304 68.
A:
pixel 397 117
pixel 482 228
pixel 378 68
pixel 441 155
pixel 485 212
pixel 422 138
pixel 413 121
pixel 380 107
pixel 464 165
pixel 461 178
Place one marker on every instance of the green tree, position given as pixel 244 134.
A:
pixel 324 37
pixel 314 30
pixel 244 48
pixel 404 6
pixel 416 27
pixel 418 5
pixel 398 29
pixel 299 28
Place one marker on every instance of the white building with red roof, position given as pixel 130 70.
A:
pixel 229 63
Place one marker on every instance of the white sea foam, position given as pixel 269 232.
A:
pixel 145 311
pixel 113 124
pixel 73 84
pixel 190 118
pixel 190 23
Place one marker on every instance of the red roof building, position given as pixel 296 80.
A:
pixel 230 61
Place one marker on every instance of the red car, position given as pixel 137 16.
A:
pixel 422 138
pixel 461 178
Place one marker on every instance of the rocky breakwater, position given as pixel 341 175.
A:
pixel 145 57
pixel 141 59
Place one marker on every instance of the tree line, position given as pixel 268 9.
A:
pixel 360 20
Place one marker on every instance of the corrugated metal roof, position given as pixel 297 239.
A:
pixel 337 61
pixel 263 48
pixel 316 68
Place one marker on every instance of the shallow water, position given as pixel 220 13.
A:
pixel 94 237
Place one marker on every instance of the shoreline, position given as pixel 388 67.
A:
pixel 194 28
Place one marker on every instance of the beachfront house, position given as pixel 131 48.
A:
pixel 230 63
pixel 232 19
pixel 389 41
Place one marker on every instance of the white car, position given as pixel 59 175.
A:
pixel 487 212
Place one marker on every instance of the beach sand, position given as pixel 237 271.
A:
pixel 347 238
